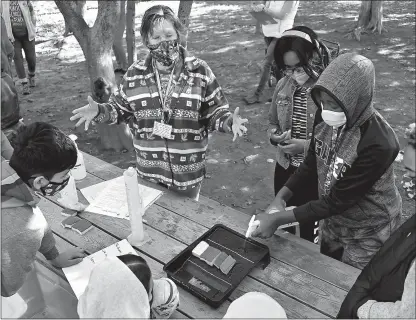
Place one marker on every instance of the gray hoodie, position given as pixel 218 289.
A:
pixel 359 194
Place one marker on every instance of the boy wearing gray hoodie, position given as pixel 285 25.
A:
pixel 40 163
pixel 350 160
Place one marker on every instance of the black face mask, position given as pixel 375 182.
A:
pixel 53 187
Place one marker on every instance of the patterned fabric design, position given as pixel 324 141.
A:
pixel 197 103
pixel 299 121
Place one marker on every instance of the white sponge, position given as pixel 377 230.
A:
pixel 200 248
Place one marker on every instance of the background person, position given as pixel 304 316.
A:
pixel 301 58
pixel 284 13
pixel 20 20
pixel 171 101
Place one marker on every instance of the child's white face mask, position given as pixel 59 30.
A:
pixel 333 118
pixel 300 77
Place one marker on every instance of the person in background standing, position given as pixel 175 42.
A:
pixel 7 50
pixel 171 100
pixel 11 119
pixel 301 57
pixel 20 20
pixel 284 13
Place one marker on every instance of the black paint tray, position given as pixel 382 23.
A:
pixel 209 283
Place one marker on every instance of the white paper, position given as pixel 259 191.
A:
pixel 79 274
pixel 110 197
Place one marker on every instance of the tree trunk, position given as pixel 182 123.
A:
pixel 370 18
pixel 376 21
pixel 131 31
pixel 81 9
pixel 96 43
pixel 118 48
pixel 184 12
pixel 364 15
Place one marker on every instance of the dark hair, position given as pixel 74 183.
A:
pixel 309 54
pixel 157 14
pixel 42 149
pixel 139 267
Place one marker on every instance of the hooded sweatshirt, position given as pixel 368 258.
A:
pixel 354 171
pixel 114 291
pixel 24 231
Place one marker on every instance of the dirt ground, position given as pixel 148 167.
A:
pixel 222 33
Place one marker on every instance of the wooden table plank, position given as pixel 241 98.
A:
pixel 301 286
pixel 96 239
pixel 207 211
pixel 121 228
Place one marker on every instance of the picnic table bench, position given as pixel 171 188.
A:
pixel 306 283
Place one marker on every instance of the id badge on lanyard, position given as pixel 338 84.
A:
pixel 161 128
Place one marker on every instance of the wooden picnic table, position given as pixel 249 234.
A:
pixel 306 283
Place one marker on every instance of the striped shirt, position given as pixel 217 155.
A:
pixel 197 105
pixel 299 121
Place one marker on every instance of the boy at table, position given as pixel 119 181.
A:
pixel 350 159
pixel 40 163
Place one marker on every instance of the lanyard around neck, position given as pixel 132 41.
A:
pixel 163 97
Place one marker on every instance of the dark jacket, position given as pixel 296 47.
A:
pixel 362 191
pixel 10 110
pixel 383 278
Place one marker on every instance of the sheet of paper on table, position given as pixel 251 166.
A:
pixel 79 274
pixel 110 198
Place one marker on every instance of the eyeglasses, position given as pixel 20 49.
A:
pixel 290 70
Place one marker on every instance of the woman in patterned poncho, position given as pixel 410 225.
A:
pixel 171 100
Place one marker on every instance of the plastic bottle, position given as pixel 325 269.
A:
pixel 78 172
pixel 135 204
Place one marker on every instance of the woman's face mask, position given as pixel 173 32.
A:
pixel 165 52
pixel 333 118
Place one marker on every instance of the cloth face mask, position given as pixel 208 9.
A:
pixel 53 187
pixel 165 52
pixel 300 77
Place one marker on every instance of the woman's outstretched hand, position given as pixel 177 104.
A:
pixel 85 114
pixel 238 126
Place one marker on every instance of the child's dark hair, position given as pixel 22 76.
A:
pixel 139 267
pixel 42 149
pixel 306 51
pixel 156 14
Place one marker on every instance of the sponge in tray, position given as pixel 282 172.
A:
pixel 210 255
pixel 200 248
